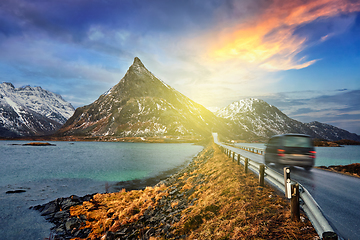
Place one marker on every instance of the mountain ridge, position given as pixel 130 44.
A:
pixel 141 105
pixel 31 111
pixel 266 120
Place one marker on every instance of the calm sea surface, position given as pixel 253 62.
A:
pixel 80 168
pixel 326 156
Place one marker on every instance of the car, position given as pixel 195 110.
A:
pixel 291 150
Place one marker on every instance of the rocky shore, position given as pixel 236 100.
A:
pixel 351 169
pixel 212 198
pixel 154 221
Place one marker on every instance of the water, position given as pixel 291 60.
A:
pixel 326 156
pixel 80 168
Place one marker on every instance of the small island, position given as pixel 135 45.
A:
pixel 351 169
pixel 38 144
pixel 339 143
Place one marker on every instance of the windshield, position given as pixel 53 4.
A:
pixel 297 141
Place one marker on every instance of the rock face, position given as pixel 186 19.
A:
pixel 31 111
pixel 263 120
pixel 140 105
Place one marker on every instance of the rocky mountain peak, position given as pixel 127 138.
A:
pixel 6 85
pixel 139 82
pixel 137 62
pixel 137 68
pixel 247 105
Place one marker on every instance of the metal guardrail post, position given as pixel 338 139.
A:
pixel 295 203
pixel 261 175
pixel 233 157
pixel 238 160
pixel 246 165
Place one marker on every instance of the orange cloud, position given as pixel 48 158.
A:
pixel 269 40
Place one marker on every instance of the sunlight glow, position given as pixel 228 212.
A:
pixel 269 40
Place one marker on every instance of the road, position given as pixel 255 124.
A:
pixel 337 195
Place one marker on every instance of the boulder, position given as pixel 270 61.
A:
pixel 72 223
pixel 50 208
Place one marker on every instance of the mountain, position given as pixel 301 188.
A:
pixel 141 105
pixel 31 111
pixel 257 116
pixel 329 132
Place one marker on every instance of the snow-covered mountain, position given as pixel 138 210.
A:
pixel 264 120
pixel 31 111
pixel 141 105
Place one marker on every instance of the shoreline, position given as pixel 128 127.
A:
pixel 140 184
pixel 211 195
pixel 57 211
pixel 162 139
pixel 349 169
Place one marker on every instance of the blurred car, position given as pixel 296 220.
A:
pixel 291 150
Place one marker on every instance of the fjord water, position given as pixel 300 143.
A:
pixel 326 156
pixel 80 168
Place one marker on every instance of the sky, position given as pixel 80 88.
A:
pixel 302 56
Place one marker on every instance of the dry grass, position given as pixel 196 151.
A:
pixel 227 204
pixel 232 206
pixel 108 212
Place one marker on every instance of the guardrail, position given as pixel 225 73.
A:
pixel 252 149
pixel 289 187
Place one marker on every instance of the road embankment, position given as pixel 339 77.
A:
pixel 212 198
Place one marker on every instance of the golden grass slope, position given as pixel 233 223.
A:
pixel 222 203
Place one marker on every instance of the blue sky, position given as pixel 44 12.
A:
pixel 301 56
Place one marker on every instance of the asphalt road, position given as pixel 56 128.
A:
pixel 337 195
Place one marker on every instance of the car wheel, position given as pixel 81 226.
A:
pixel 307 168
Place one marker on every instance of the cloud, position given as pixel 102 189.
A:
pixel 269 40
pixel 59 67
pixel 212 51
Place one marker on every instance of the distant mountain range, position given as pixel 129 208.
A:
pixel 141 105
pixel 31 111
pixel 264 120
